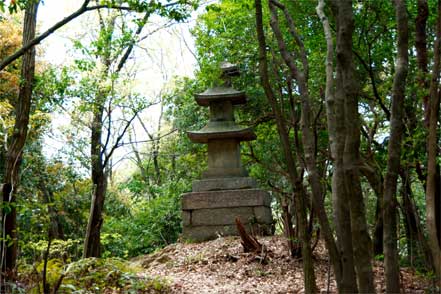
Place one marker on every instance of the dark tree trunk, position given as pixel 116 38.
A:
pixel 101 154
pixel 348 89
pixel 394 152
pixel 299 195
pixel 308 139
pixel 55 227
pixel 432 154
pixel 290 234
pixel 376 182
pixel 421 49
pixel 378 229
pixel 438 197
pixel 92 240
pixel 15 148
pixel 412 221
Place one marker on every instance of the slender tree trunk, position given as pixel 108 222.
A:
pixel 92 239
pixel 413 221
pixel 348 88
pixel 92 242
pixel 101 154
pixel 376 182
pixel 288 227
pixel 391 265
pixel 432 181
pixel 55 227
pixel 421 49
pixel 8 249
pixel 346 278
pixel 378 229
pixel 299 196
pixel 309 145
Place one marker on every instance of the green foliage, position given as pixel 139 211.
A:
pixel 94 275
pixel 151 224
pixel 60 249
pixel 99 274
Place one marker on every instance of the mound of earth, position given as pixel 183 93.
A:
pixel 221 266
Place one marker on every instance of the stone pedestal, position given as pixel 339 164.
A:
pixel 210 214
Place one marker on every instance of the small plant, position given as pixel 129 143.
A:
pixel 379 257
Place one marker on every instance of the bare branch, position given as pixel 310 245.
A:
pixel 84 8
pixel 148 141
pixel 118 139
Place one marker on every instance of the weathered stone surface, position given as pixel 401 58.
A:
pixel 263 214
pixel 186 217
pixel 203 233
pixel 225 199
pixel 227 216
pixel 227 172
pixel 234 183
pixel 221 216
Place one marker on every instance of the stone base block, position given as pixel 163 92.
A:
pixel 209 214
pixel 224 184
pixel 204 233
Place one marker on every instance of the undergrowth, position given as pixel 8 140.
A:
pixel 90 275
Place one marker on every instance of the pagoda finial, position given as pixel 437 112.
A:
pixel 229 70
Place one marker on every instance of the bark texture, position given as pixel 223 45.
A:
pixel 92 240
pixel 15 149
pixel 301 76
pixel 347 89
pixel 391 259
pixel 432 180
pixel 346 278
pixel 299 195
pixel 421 49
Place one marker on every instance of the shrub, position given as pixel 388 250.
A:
pixel 152 224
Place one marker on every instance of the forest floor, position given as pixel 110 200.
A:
pixel 221 266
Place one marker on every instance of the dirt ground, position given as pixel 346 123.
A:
pixel 220 266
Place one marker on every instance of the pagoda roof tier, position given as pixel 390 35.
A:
pixel 222 130
pixel 218 94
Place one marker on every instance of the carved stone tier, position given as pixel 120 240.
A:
pixel 221 94
pixel 210 214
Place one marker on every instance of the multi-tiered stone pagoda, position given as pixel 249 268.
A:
pixel 225 191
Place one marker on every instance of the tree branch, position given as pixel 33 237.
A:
pixel 118 139
pixel 84 8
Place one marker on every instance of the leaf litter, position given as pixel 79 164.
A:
pixel 221 266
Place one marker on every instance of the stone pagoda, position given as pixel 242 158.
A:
pixel 225 191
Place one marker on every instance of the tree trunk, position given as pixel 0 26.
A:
pixel 432 181
pixel 413 221
pixel 378 229
pixel 299 196
pixel 348 88
pixel 15 149
pixel 391 265
pixel 309 145
pixel 55 227
pixel 345 277
pixel 421 49
pixel 92 240
pixel 376 182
